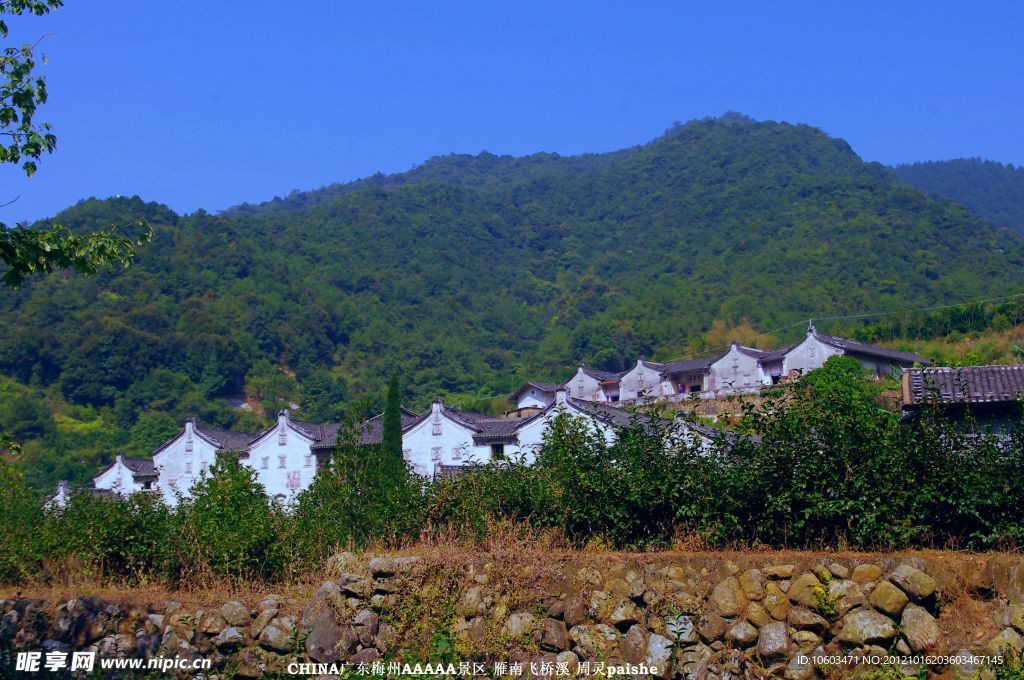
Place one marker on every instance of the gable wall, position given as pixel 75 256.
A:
pixel 643 380
pixel 531 435
pixel 586 387
pixel 534 398
pixel 808 355
pixel 117 478
pixel 735 372
pixel 178 468
pixel 283 470
pixel 454 441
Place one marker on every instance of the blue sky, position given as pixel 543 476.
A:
pixel 209 104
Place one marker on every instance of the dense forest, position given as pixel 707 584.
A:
pixel 992 191
pixel 467 275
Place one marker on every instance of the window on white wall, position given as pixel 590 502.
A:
pixel 282 437
pixel 406 453
pixel 265 463
pixel 293 480
pixel 282 461
pixel 309 460
pixel 435 453
pixel 188 445
pixel 436 429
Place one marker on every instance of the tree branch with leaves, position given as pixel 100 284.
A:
pixel 28 251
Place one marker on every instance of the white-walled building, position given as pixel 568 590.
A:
pixel 126 475
pixel 815 349
pixel 650 380
pixel 532 397
pixel 590 384
pixel 738 371
pixel 287 456
pixel 180 462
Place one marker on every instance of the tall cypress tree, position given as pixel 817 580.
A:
pixel 391 441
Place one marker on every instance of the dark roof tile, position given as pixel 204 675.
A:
pixel 963 385
pixel 855 347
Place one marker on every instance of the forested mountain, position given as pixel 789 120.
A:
pixel 469 274
pixel 992 191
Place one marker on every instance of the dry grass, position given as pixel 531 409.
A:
pixel 524 565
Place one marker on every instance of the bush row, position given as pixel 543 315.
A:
pixel 824 465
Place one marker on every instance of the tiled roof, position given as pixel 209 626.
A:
pixel 371 430
pixel 602 375
pixel 497 428
pixel 692 366
pixel 138 465
pixel 542 386
pixel 850 346
pixel 774 355
pixel 751 351
pixel 620 418
pixel 964 385
pixel 871 350
pixel 226 440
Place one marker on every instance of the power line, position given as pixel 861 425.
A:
pixel 858 316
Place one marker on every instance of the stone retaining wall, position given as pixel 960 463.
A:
pixel 694 616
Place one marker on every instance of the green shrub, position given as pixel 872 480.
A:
pixel 362 495
pixel 22 543
pixel 229 527
pixel 129 538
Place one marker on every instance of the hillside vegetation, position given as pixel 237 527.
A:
pixel 992 191
pixel 470 274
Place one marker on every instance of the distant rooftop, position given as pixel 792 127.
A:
pixel 963 385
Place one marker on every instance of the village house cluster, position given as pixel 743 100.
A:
pixel 286 457
pixel 738 370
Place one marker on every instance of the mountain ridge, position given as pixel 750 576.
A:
pixel 992 191
pixel 469 275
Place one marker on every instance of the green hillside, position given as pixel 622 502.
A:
pixel 992 191
pixel 469 274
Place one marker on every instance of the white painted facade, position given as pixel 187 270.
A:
pixel 585 386
pixel 735 372
pixel 180 462
pixel 282 458
pixel 531 396
pixel 439 440
pixel 118 477
pixel 644 380
pixel 810 354
pixel 590 387
pixel 531 435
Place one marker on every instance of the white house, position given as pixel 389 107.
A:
pixel 533 396
pixel 738 371
pixel 179 462
pixel 282 457
pixel 815 349
pixel 126 475
pixel 444 437
pixel 650 380
pixel 592 385
pixel 530 435
pixel 287 456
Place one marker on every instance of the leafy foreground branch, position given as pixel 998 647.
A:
pixel 824 467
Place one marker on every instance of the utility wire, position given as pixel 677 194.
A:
pixel 857 316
